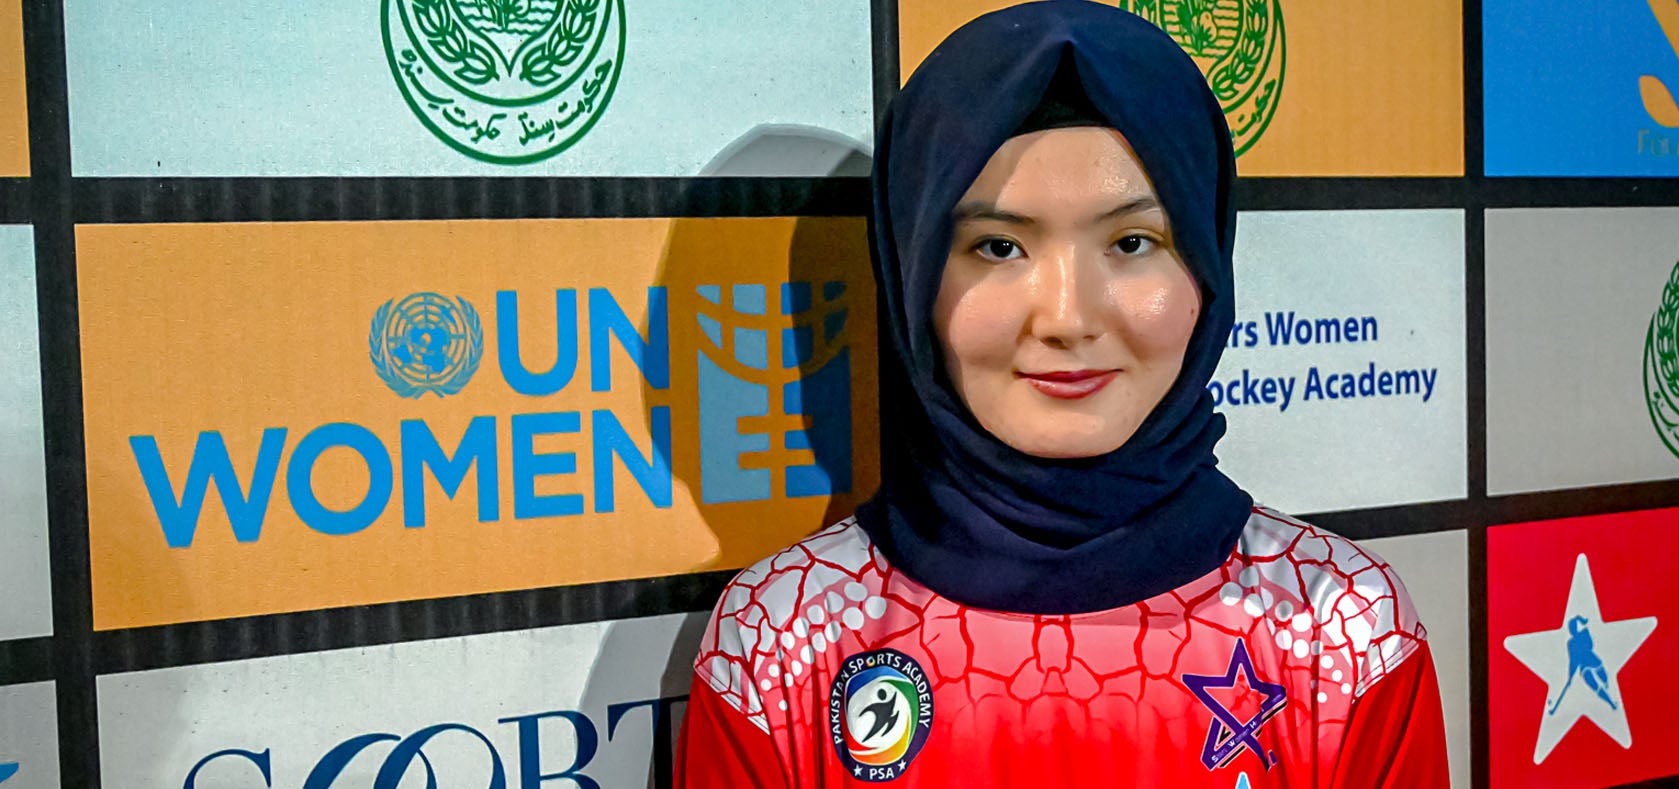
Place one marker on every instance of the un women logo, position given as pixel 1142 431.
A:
pixel 506 81
pixel 426 343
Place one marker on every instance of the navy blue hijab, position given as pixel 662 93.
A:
pixel 958 510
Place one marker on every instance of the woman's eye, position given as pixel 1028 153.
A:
pixel 998 249
pixel 1134 245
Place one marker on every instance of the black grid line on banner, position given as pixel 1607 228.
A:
pixel 137 649
pixel 26 660
pixel 161 200
pixel 61 393
pixel 1475 363
pixel 54 201
pixel 15 208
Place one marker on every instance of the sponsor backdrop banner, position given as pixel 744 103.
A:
pixel 1577 89
pixel 1310 88
pixel 24 572
pixel 1582 636
pixel 28 736
pixel 1342 390
pixel 14 119
pixel 308 415
pixel 1435 568
pixel 582 705
pixel 1582 347
pixel 429 87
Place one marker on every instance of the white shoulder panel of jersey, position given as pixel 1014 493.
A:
pixel 1298 576
pixel 778 613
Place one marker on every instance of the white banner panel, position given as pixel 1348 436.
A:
pixel 1435 569
pixel 596 703
pixel 29 737
pixel 1582 347
pixel 463 87
pixel 25 580
pixel 1343 382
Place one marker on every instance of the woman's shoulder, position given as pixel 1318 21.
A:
pixel 808 594
pixel 1303 575
pixel 839 559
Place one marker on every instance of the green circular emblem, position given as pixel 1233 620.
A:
pixel 506 81
pixel 1239 46
pixel 1661 365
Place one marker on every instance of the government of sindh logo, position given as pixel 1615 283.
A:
pixel 506 81
pixel 424 343
pixel 880 712
pixel 1239 45
pixel 1661 365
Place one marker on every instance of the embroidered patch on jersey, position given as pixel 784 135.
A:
pixel 1228 735
pixel 880 711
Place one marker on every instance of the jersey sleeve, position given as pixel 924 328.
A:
pixel 719 747
pixel 1396 735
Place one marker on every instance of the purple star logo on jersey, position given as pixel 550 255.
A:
pixel 1228 736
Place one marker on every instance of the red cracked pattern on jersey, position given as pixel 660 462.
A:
pixel 1320 615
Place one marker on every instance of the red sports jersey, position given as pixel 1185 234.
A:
pixel 1298 663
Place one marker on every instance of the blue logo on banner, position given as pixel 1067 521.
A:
pixel 426 343
pixel 1584 665
pixel 1577 89
pixel 772 404
pixel 444 748
pixel 7 770
pixel 759 386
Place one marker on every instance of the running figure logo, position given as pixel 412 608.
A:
pixel 884 712
pixel 1584 664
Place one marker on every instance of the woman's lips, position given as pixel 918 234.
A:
pixel 1070 384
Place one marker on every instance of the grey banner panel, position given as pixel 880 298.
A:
pixel 24 575
pixel 424 88
pixel 1343 382
pixel 604 697
pixel 1435 569
pixel 28 736
pixel 1578 392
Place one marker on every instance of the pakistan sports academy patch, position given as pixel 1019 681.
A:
pixel 880 711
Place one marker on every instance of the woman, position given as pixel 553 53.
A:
pixel 1055 586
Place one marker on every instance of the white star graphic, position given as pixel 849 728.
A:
pixel 1580 661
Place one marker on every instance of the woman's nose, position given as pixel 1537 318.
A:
pixel 1065 294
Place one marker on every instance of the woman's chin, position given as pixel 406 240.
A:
pixel 1063 444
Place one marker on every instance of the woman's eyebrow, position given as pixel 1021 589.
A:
pixel 977 210
pixel 1135 205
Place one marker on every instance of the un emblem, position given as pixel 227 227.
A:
pixel 426 343
pixel 506 81
pixel 1239 46
pixel 1661 365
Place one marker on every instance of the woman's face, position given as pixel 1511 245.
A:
pixel 1064 309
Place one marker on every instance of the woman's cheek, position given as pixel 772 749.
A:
pixel 983 329
pixel 1161 317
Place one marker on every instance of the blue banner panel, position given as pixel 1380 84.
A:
pixel 1581 89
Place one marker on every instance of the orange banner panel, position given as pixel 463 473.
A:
pixel 285 417
pixel 14 113
pixel 1310 88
